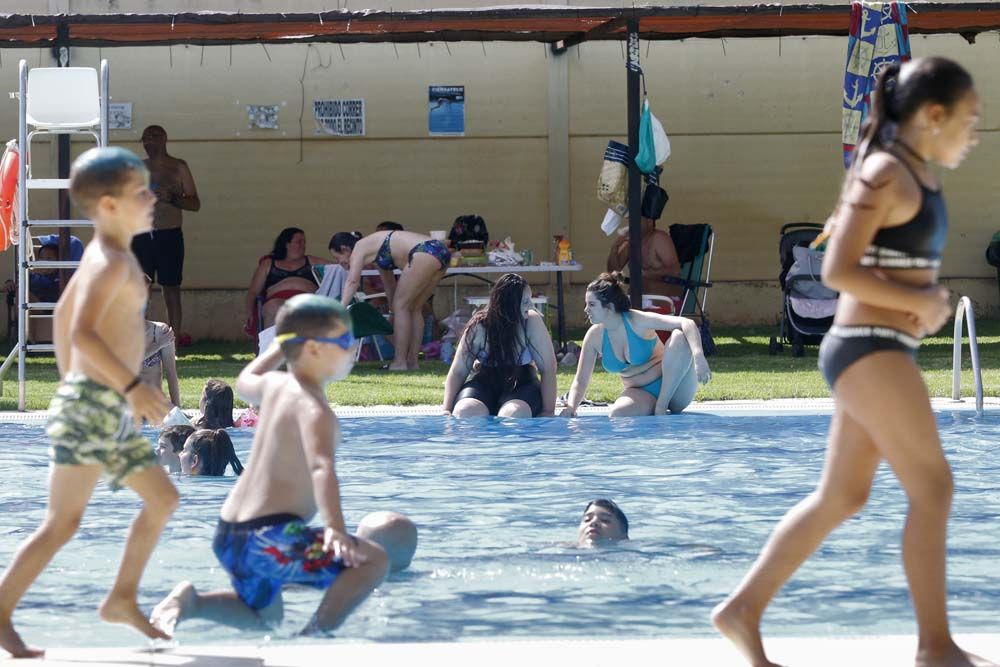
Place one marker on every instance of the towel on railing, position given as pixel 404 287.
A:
pixel 878 36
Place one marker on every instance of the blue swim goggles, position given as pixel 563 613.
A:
pixel 344 341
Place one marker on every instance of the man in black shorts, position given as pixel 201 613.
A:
pixel 161 251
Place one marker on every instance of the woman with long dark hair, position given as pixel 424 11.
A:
pixel 886 236
pixel 208 452
pixel 505 345
pixel 657 378
pixel 280 275
pixel 216 405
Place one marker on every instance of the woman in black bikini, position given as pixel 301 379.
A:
pixel 885 241
pixel 422 263
pixel 279 276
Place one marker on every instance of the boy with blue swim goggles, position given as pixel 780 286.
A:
pixel 344 341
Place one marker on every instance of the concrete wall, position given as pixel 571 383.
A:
pixel 754 125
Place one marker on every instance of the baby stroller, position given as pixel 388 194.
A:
pixel 807 304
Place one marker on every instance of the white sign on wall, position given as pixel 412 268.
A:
pixel 120 115
pixel 340 118
pixel 262 116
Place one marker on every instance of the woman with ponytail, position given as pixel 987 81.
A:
pixel 885 236
pixel 208 452
pixel 505 345
pixel 658 378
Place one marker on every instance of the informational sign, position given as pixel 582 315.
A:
pixel 340 118
pixel 262 116
pixel 120 115
pixel 446 111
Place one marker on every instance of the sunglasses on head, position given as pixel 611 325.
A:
pixel 344 341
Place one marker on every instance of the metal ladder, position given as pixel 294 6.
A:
pixel 965 306
pixel 25 250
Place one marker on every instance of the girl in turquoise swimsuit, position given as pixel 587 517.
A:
pixel 422 263
pixel 657 377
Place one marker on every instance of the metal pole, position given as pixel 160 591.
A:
pixel 25 238
pixel 634 178
pixel 61 53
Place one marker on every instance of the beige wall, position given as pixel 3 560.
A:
pixel 754 125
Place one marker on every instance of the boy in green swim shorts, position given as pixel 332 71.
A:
pixel 101 402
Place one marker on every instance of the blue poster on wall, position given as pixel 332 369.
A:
pixel 446 111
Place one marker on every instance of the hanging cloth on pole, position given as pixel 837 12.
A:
pixel 879 35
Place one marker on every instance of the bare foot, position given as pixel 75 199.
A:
pixel 950 656
pixel 125 611
pixel 398 367
pixel 738 626
pixel 13 644
pixel 173 608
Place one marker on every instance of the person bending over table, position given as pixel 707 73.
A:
pixel 422 261
pixel 279 276
pixel 657 377
pixel 503 344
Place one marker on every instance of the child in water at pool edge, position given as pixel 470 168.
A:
pixel 262 539
pixel 101 399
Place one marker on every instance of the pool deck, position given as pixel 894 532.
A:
pixel 775 406
pixel 888 651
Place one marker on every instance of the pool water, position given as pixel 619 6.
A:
pixel 493 499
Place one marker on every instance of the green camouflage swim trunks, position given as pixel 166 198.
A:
pixel 90 423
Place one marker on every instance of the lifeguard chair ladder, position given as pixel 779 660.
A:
pixel 52 101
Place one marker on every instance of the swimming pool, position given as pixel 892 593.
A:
pixel 493 498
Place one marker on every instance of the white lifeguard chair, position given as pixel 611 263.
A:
pixel 51 101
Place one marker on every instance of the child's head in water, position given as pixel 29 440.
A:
pixel 169 445
pixel 208 452
pixel 216 405
pixel 314 333
pixel 603 522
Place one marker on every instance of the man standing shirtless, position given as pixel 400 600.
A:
pixel 161 251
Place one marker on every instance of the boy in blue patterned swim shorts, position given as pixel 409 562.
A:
pixel 262 539
pixel 98 334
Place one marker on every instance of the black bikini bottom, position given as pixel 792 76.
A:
pixel 842 346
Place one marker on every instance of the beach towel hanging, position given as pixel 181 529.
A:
pixel 878 36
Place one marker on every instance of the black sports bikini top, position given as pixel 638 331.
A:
pixel 916 244
pixel 275 275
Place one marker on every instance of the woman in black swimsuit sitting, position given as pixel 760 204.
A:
pixel 886 237
pixel 506 345
pixel 279 276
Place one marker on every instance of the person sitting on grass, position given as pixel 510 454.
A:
pixel 216 405
pixel 502 345
pixel 657 378
pixel 603 523
pixel 263 539
pixel 170 444
pixel 207 452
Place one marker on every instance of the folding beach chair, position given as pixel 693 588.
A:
pixel 366 321
pixel 695 245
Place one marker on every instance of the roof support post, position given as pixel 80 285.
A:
pixel 634 178
pixel 60 51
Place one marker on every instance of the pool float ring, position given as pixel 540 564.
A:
pixel 8 195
